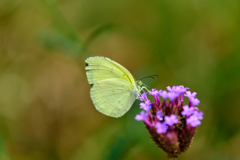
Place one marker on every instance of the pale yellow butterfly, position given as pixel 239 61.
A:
pixel 114 89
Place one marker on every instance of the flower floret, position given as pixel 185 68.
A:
pixel 159 115
pixel 154 92
pixel 171 120
pixel 141 117
pixel 194 101
pixel 146 106
pixel 199 115
pixel 143 97
pixel 161 127
pixel 193 121
pixel 187 111
pixel 163 94
pixel 172 95
pixel 190 95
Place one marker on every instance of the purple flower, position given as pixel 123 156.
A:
pixel 195 108
pixel 146 106
pixel 182 89
pixel 159 118
pixel 159 115
pixel 177 89
pixel 161 127
pixel 187 111
pixel 154 92
pixel 190 95
pixel 172 95
pixel 141 117
pixel 193 121
pixel 199 115
pixel 163 94
pixel 194 101
pixel 171 120
pixel 169 88
pixel 143 97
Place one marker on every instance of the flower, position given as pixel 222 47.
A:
pixel 169 88
pixel 171 123
pixel 190 95
pixel 146 106
pixel 143 97
pixel 194 121
pixel 154 92
pixel 142 116
pixel 178 89
pixel 172 95
pixel 159 115
pixel 161 127
pixel 187 111
pixel 171 120
pixel 163 94
pixel 181 89
pixel 194 101
pixel 199 115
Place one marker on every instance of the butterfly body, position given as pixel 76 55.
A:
pixel 114 89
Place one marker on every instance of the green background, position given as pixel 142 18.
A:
pixel 45 109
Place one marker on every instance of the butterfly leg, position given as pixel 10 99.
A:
pixel 142 89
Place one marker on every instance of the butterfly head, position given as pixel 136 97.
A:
pixel 139 83
pixel 138 87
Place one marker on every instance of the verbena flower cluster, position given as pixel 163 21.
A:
pixel 170 122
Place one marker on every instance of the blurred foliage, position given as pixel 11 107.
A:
pixel 45 108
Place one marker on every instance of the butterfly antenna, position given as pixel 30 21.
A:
pixel 152 76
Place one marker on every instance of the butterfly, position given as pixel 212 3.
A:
pixel 113 88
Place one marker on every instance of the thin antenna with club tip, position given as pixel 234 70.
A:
pixel 152 76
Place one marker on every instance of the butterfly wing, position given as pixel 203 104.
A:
pixel 101 68
pixel 113 97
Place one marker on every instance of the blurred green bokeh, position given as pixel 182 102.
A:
pixel 45 109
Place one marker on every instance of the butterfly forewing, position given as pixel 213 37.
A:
pixel 100 68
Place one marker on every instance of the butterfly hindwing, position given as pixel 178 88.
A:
pixel 113 97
